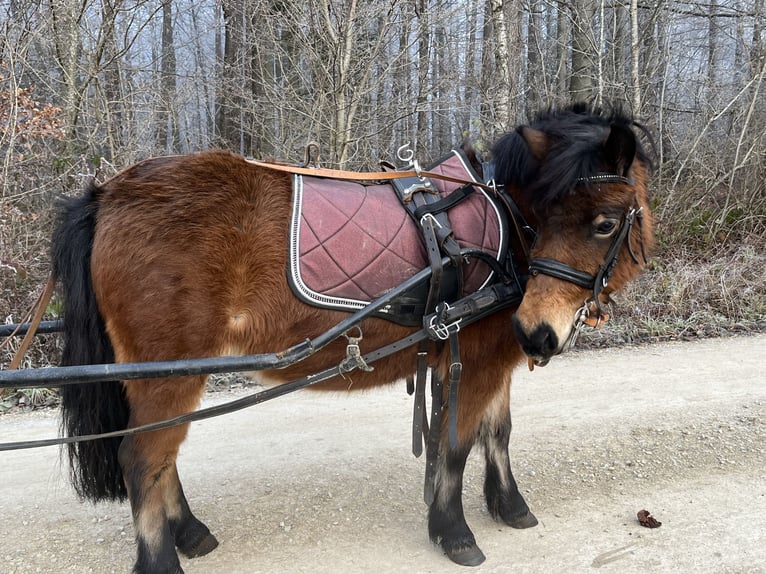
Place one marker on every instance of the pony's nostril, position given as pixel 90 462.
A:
pixel 544 339
pixel 541 342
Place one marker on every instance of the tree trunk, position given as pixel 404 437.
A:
pixel 503 62
pixel 562 48
pixel 66 16
pixel 168 137
pixel 635 54
pixel 109 64
pixel 581 84
pixel 535 50
pixel 423 67
pixel 229 97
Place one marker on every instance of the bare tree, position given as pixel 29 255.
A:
pixel 581 83
pixel 168 138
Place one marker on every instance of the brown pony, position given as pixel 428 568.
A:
pixel 184 257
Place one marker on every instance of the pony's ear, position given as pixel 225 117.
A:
pixel 536 140
pixel 620 148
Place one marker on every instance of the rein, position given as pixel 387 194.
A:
pixel 469 310
pixel 230 406
pixel 30 329
pixel 366 175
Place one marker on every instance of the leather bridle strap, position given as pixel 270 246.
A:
pixel 561 271
pixel 583 279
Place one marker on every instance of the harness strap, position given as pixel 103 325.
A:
pixel 419 417
pixel 365 176
pixel 445 203
pixel 432 450
pixel 417 197
pixel 433 252
pixel 524 232
pixel 232 406
pixel 455 374
pixel 561 271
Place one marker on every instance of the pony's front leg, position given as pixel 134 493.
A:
pixel 447 526
pixel 504 500
pixel 446 521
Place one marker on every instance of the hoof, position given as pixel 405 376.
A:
pixel 205 545
pixel 526 520
pixel 466 555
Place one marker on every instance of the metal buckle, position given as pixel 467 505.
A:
pixel 434 222
pixel 441 330
pixel 354 359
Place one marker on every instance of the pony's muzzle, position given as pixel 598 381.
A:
pixel 540 343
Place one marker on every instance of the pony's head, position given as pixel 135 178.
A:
pixel 580 178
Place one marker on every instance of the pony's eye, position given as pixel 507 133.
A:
pixel 605 227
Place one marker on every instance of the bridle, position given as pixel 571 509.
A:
pixel 598 282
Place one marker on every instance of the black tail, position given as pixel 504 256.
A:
pixel 89 408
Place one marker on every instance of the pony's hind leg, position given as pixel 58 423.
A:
pixel 161 514
pixel 192 537
pixel 504 500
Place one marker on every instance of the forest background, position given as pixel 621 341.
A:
pixel 88 87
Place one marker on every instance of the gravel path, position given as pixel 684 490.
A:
pixel 324 483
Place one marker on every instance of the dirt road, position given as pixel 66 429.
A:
pixel 318 483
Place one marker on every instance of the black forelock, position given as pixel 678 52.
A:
pixel 575 136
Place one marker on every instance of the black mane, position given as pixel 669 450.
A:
pixel 575 137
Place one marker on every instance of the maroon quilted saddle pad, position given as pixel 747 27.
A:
pixel 350 243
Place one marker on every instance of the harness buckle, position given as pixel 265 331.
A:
pixel 437 328
pixel 354 359
pixel 430 217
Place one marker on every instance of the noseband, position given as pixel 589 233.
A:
pixel 598 282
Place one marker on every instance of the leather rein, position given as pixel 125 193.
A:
pixel 366 175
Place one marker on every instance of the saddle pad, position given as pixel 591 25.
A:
pixel 350 243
